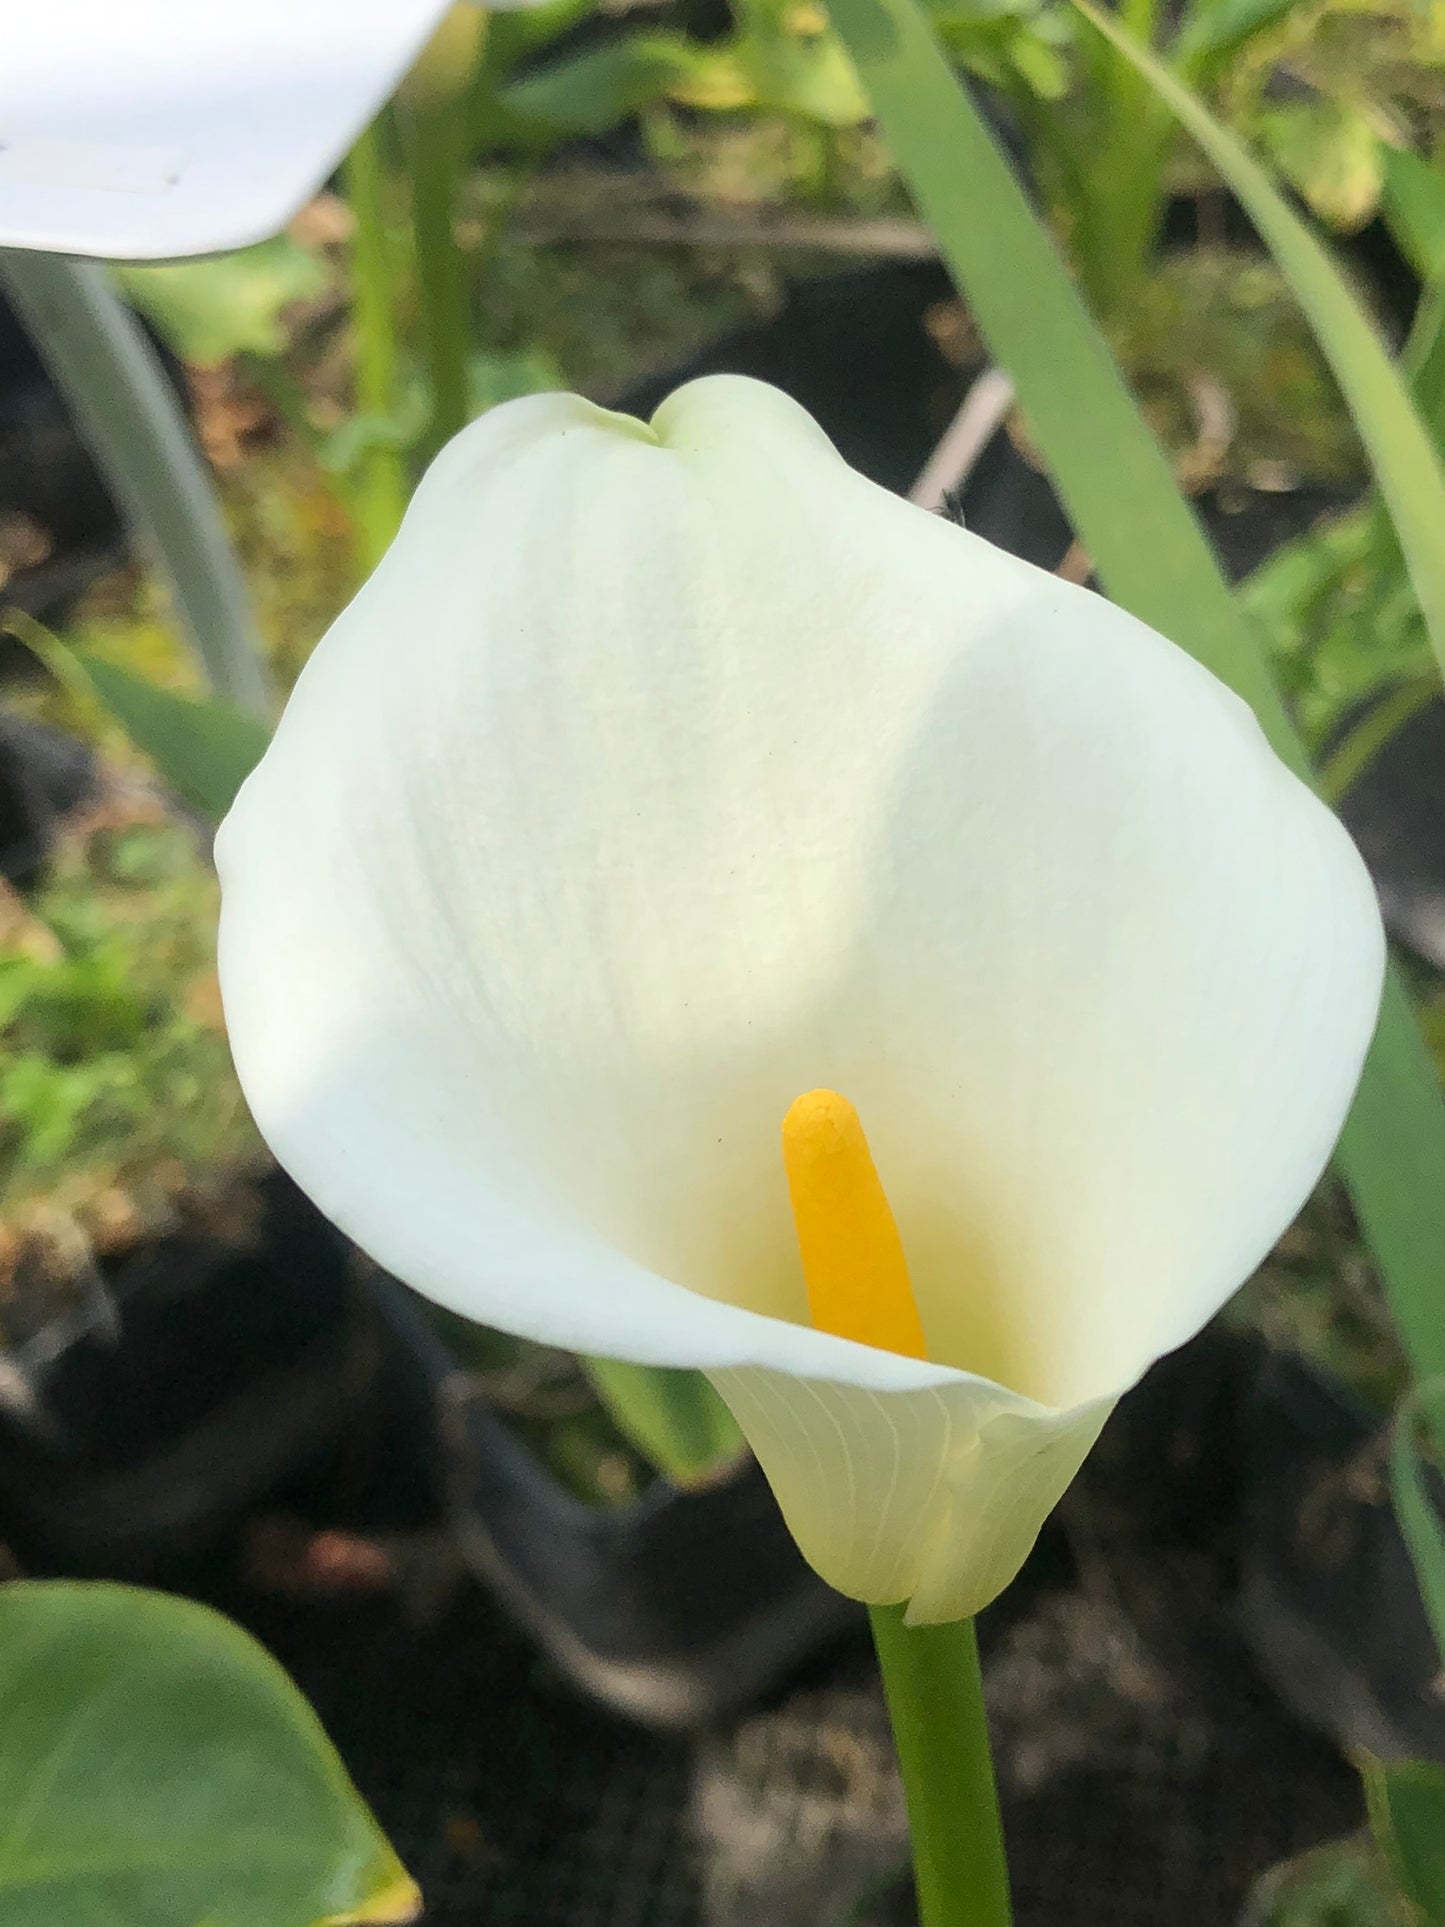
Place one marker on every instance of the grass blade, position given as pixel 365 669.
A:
pixel 203 747
pixel 1153 558
pixel 1111 474
pixel 1406 465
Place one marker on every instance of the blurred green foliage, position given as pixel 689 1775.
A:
pixel 1346 1883
pixel 230 304
pixel 116 1091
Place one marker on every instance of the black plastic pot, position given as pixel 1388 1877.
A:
pixel 43 776
pixel 50 489
pixel 1146 1770
pixel 193 1380
pixel 676 1609
pixel 856 350
pixel 1257 1465
pixel 1328 1596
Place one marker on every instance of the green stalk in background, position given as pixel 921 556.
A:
pixel 382 485
pixel 1120 184
pixel 1406 466
pixel 434 106
pixel 934 1689
pixel 1152 555
pixel 1298 575
pixel 135 426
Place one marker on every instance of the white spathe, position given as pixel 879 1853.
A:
pixel 148 129
pixel 662 773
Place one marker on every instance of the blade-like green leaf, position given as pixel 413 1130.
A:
pixel 1414 1504
pixel 1152 557
pixel 1415 209
pixel 1425 357
pixel 1392 1156
pixel 674 1418
pixel 1406 1801
pixel 1344 1883
pixel 204 750
pixel 1114 480
pixel 1212 32
pixel 1415 215
pixel 158 1769
pixel 1406 466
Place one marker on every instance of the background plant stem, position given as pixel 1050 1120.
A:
pixel 934 1689
pixel 434 104
pixel 381 494
pixel 135 426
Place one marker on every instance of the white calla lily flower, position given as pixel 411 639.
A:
pixel 161 128
pixel 662 773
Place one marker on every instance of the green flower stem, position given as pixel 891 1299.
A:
pixel 381 494
pixel 934 1690
pixel 434 102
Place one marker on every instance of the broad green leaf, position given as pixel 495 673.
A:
pixel 1344 1883
pixel 1415 209
pixel 809 76
pixel 229 304
pixel 1406 1801
pixel 1330 152
pixel 1407 468
pixel 514 33
pixel 674 1418
pixel 1213 31
pixel 1414 1502
pixel 205 750
pixel 591 91
pixel 717 80
pixel 514 36
pixel 1154 560
pixel 158 1769
pixel 1043 67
